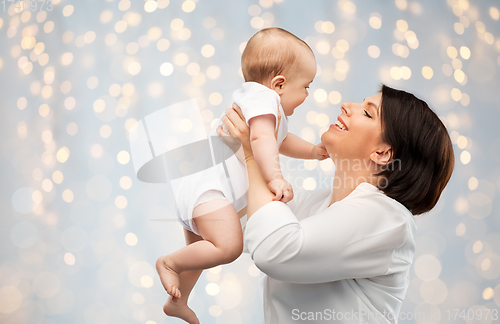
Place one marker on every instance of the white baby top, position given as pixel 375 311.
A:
pixel 254 99
pixel 346 263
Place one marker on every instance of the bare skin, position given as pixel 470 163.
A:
pixel 177 307
pixel 221 242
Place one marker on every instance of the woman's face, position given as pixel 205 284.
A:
pixel 356 134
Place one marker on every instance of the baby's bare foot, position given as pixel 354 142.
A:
pixel 173 307
pixel 168 276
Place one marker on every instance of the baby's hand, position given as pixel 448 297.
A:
pixel 282 189
pixel 319 152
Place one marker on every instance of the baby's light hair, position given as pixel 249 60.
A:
pixel 270 52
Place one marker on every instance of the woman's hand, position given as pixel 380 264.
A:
pixel 237 127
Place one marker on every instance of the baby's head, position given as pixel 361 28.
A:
pixel 282 62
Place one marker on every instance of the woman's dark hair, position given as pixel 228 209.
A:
pixel 422 152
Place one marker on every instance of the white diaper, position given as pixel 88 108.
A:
pixel 207 196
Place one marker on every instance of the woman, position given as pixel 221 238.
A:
pixel 344 253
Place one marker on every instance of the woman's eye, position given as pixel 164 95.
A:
pixel 367 114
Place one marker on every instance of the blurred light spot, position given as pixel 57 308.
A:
pixel 253 270
pixel 47 185
pixel 155 89
pixel 150 6
pixel 65 87
pixel 212 289
pixel 123 157
pixel 327 27
pixel 67 195
pixel 163 44
pixel 185 125
pixel 209 22
pixel 181 59
pixel 375 20
pixel 37 196
pixel 96 150
pixel 465 100
pixel 402 25
pixel 188 6
pixel 373 51
pixel 405 72
pixel 125 182
pixel 121 202
pixel 215 98
pixel 177 24
pixel 257 22
pixel 347 6
pixel 254 10
pixel 456 94
pixel 213 72
pixel 427 267
pixel 69 103
pixel 106 16
pixel 67 58
pixel 465 52
pixel 310 164
pixel 427 72
pixel 215 311
pixel 166 69
pixel 207 50
pixel 266 3
pixel 473 183
pixel 452 52
pixel 69 258
pixel 494 13
pixel 146 281
pixel 134 68
pixel 131 239
pixel 322 120
pixel 22 130
pixel 68 10
pixel 477 247
pixel 105 131
pixel 63 154
pixel 216 269
pixel 488 293
pixel 459 76
pixel 462 142
pixel 320 95
pixel 57 177
pixel 465 157
pixel 395 73
pixel 334 97
pixel 456 64
pixel 10 299
pixel 138 299
pixel 401 4
pixel 311 117
pixel 111 39
pixel 193 68
pixel 460 229
pixel 434 292
pixel 138 271
pixel 309 183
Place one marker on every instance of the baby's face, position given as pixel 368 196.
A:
pixel 295 88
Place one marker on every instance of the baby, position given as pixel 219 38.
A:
pixel 278 68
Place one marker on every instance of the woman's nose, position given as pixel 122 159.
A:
pixel 346 108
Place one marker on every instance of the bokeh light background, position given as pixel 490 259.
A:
pixel 80 234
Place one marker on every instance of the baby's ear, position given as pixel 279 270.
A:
pixel 278 84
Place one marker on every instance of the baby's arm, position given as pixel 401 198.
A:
pixel 295 147
pixel 266 152
pixel 265 147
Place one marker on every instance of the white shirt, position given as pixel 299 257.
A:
pixel 349 261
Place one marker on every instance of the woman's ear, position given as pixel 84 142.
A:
pixel 278 84
pixel 382 155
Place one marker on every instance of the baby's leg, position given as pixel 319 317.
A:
pixel 219 225
pixel 177 307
